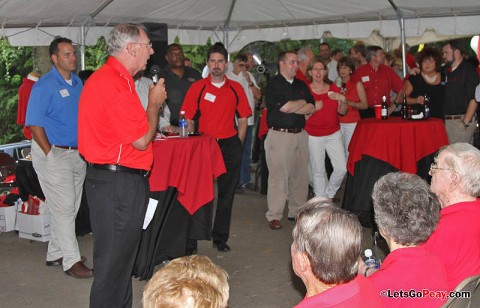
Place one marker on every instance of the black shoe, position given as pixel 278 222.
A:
pixel 221 246
pixel 239 190
pixel 248 186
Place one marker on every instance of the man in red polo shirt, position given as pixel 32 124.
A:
pixel 115 137
pixel 219 99
pixel 378 80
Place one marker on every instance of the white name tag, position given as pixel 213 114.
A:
pixel 210 97
pixel 64 93
pixel 365 79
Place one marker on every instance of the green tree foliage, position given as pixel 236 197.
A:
pixel 196 53
pixel 15 63
pixel 96 56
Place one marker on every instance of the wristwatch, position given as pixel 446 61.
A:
pixel 466 124
pixel 250 84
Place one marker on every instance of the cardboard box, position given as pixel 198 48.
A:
pixel 7 218
pixel 34 227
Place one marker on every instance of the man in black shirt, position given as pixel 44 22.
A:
pixel 460 105
pixel 178 79
pixel 286 145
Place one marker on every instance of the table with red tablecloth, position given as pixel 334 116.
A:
pixel 382 146
pixel 188 164
pixel 182 180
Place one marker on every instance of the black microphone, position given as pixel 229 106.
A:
pixel 154 70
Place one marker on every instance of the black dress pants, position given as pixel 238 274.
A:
pixel 118 202
pixel 231 149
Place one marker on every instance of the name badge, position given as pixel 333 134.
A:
pixel 64 93
pixel 365 79
pixel 210 97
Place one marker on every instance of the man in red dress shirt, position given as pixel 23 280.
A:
pixel 378 80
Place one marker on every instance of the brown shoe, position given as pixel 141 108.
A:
pixel 79 270
pixel 59 261
pixel 275 224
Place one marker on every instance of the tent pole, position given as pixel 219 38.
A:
pixel 401 21
pixel 82 47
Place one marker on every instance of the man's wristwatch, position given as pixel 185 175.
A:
pixel 466 124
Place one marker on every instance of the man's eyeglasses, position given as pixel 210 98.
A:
pixel 434 166
pixel 149 45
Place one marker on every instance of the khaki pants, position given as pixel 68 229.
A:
pixel 287 160
pixel 457 132
pixel 61 174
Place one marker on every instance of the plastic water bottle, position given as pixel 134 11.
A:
pixel 370 260
pixel 182 123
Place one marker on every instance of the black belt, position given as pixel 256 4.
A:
pixel 455 117
pixel 118 168
pixel 64 147
pixel 288 130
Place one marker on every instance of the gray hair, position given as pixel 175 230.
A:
pixel 121 35
pixel 332 240
pixel 464 159
pixel 405 208
pixel 302 53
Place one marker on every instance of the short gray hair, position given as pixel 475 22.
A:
pixel 405 208
pixel 302 53
pixel 464 159
pixel 332 240
pixel 121 35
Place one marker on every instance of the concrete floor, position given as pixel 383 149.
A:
pixel 259 265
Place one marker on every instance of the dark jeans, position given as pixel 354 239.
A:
pixel 246 153
pixel 118 202
pixel 232 154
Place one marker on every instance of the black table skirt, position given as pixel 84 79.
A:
pixel 359 187
pixel 166 236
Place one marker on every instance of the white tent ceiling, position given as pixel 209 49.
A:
pixel 238 22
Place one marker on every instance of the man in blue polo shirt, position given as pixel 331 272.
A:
pixel 52 116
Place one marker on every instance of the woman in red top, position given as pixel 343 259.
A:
pixel 353 95
pixel 324 134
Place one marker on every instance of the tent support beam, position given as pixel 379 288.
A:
pixel 401 21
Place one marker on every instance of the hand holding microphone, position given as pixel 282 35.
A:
pixel 154 70
pixel 157 94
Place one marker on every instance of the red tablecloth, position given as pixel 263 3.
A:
pixel 189 164
pixel 401 143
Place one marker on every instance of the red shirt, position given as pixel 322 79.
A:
pixel 411 268
pixel 378 83
pixel 456 241
pixel 217 106
pixel 352 116
pixel 357 293
pixel 300 75
pixel 23 95
pixel 111 117
pixel 325 121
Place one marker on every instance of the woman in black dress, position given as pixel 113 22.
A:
pixel 426 84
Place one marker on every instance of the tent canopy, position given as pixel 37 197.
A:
pixel 236 22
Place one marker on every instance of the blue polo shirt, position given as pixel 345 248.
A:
pixel 53 105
